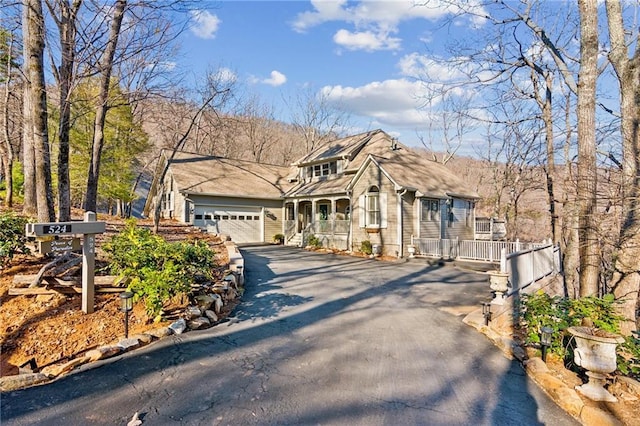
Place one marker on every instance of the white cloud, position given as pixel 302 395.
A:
pixel 225 76
pixel 205 24
pixel 276 79
pixel 373 20
pixel 391 102
pixel 365 40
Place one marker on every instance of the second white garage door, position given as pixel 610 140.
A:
pixel 243 225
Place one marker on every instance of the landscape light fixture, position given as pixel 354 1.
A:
pixel 545 340
pixel 486 312
pixel 126 306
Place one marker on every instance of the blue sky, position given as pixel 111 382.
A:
pixel 367 57
pixel 360 55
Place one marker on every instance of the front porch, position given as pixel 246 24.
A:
pixel 326 218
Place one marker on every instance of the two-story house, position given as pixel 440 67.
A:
pixel 362 187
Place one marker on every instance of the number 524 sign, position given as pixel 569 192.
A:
pixel 64 228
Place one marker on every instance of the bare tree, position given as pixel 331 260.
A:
pixel 64 15
pixel 105 66
pixel 448 126
pixel 626 280
pixel 315 120
pixel 587 176
pixel 8 55
pixel 34 43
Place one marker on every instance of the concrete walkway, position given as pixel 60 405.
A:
pixel 318 339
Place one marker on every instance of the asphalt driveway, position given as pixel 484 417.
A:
pixel 318 339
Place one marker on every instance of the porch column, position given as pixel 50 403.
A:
pixel 333 209
pixel 296 208
pixel 313 211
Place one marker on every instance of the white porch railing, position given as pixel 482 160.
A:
pixel 528 266
pixel 487 251
pixel 330 226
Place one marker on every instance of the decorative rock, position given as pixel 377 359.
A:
pixel 56 370
pixel 161 332
pixel 217 303
pixel 128 344
pixel 103 352
pixel 11 383
pixel 592 416
pixel 143 338
pixel 536 366
pixel 199 323
pixel 204 301
pixel 179 326
pixel 569 400
pixel 231 279
pixel 211 315
pixel 192 312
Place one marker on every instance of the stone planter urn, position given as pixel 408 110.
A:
pixel 412 250
pixel 499 283
pixel 596 352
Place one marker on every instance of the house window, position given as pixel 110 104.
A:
pixel 373 207
pixel 430 210
pixel 324 211
pixel 325 169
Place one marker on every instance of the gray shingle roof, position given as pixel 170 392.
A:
pixel 203 174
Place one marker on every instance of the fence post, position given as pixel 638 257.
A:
pixel 503 260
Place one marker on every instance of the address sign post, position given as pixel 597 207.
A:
pixel 89 228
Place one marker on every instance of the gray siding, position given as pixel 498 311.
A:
pixel 462 225
pixel 386 237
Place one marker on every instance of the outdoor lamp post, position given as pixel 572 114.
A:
pixel 126 305
pixel 545 340
pixel 486 312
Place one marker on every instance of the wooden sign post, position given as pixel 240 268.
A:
pixel 89 228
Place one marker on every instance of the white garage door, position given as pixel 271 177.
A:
pixel 242 224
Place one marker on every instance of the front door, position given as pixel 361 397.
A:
pixel 308 216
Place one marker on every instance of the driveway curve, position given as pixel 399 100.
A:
pixel 319 339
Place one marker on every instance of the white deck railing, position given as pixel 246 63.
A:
pixel 525 263
pixel 528 266
pixel 487 251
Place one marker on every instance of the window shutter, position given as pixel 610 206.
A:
pixel 361 210
pixel 383 209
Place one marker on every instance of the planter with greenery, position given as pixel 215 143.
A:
pixel 278 238
pixel 564 315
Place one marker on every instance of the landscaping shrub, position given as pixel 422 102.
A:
pixel 278 238
pixel 158 270
pixel 366 247
pixel 12 237
pixel 314 241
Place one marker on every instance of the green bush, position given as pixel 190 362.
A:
pixel 158 270
pixel 366 247
pixel 278 238
pixel 314 241
pixel 12 237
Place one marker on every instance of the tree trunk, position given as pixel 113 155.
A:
pixel 34 47
pixel 106 66
pixel 626 278
pixel 587 180
pixel 30 206
pixel 67 29
pixel 550 169
pixel 6 149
